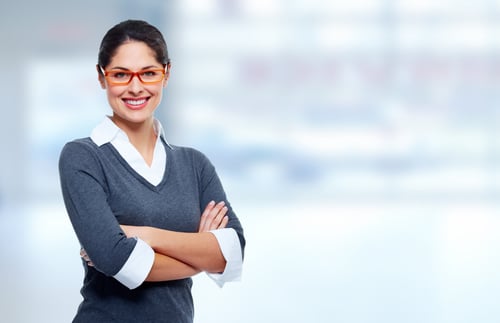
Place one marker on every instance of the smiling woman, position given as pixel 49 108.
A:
pixel 145 225
pixel 134 101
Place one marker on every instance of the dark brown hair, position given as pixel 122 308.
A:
pixel 128 30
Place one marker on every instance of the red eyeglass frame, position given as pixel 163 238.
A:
pixel 163 71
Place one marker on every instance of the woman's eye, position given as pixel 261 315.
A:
pixel 149 73
pixel 119 75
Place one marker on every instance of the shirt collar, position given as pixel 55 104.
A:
pixel 108 131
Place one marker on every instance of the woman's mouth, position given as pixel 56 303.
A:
pixel 136 104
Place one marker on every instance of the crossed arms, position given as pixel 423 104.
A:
pixel 135 254
pixel 180 255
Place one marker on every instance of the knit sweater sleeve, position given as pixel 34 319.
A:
pixel 211 189
pixel 85 192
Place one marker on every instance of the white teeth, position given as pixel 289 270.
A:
pixel 136 102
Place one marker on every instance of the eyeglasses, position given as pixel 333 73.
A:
pixel 120 77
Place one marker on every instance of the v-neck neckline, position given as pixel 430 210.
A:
pixel 138 176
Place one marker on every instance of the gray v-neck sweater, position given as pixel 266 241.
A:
pixel 101 191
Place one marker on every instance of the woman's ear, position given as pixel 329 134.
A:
pixel 167 75
pixel 100 77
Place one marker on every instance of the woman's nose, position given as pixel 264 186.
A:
pixel 135 85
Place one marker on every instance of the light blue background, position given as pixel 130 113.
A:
pixel 357 141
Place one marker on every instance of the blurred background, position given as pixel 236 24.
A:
pixel 357 141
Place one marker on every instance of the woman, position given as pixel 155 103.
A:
pixel 144 211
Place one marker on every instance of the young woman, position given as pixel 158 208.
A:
pixel 148 215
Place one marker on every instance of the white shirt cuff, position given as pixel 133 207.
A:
pixel 138 265
pixel 231 250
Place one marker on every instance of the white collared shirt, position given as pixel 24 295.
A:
pixel 108 131
pixel 135 270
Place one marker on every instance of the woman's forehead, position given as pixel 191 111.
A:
pixel 134 54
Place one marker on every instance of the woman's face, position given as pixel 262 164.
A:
pixel 135 102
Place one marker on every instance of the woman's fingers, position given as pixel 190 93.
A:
pixel 85 257
pixel 216 215
pixel 219 219
pixel 224 222
pixel 205 215
pixel 213 217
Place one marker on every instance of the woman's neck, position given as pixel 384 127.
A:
pixel 141 135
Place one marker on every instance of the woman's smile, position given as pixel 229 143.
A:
pixel 136 103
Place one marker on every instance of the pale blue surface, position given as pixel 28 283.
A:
pixel 357 140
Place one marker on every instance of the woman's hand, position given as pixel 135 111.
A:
pixel 85 257
pixel 213 217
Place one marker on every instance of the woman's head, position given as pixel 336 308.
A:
pixel 134 69
pixel 132 30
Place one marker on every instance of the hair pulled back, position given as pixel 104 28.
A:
pixel 135 30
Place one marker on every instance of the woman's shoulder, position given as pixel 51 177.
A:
pixel 187 151
pixel 188 154
pixel 78 149
pixel 86 141
pixel 80 144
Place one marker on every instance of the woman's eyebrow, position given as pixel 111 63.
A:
pixel 127 69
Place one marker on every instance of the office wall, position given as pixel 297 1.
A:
pixel 356 140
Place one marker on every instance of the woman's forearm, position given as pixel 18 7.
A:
pixel 167 268
pixel 199 250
